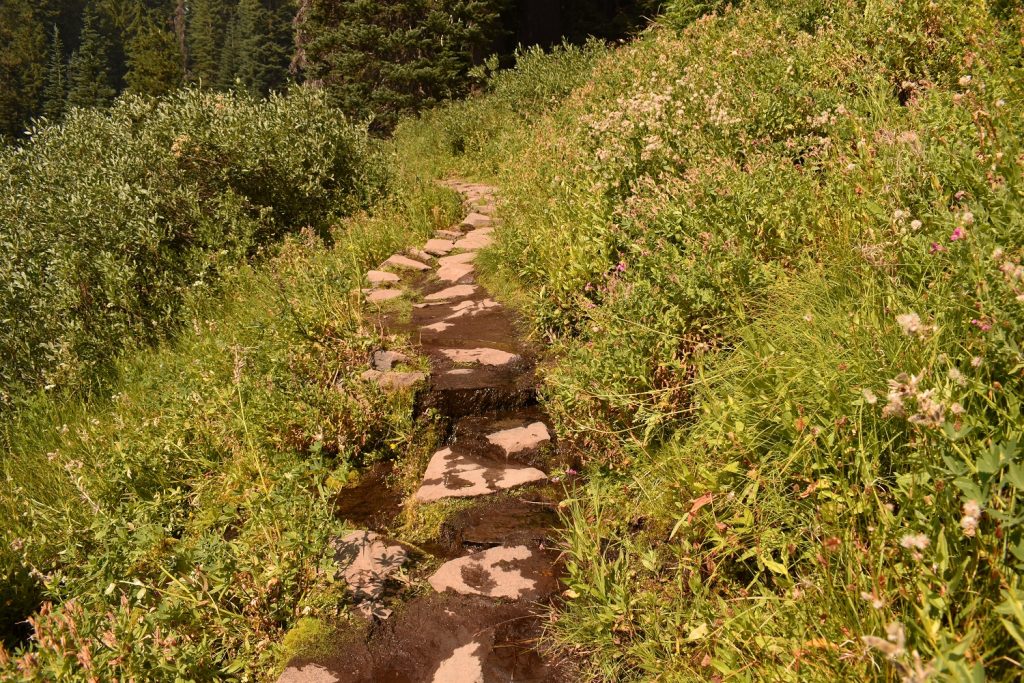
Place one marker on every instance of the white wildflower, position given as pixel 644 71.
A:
pixel 910 322
pixel 869 397
pixel 957 377
pixel 914 541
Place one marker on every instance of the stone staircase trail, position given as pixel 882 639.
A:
pixel 475 618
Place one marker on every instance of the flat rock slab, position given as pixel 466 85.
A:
pixel 475 240
pixel 464 308
pixel 435 638
pixel 477 220
pixel 438 247
pixel 521 438
pixel 493 357
pixel 455 271
pixel 437 327
pixel 455 474
pixel 385 360
pixel 394 380
pixel 399 261
pixel 517 573
pixel 449 234
pixel 465 257
pixel 465 665
pixel 308 673
pixel 379 296
pixel 419 254
pixel 367 562
pixel 379 277
pixel 456 292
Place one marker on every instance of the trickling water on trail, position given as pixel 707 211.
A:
pixel 476 617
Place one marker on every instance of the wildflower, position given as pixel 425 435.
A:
pixel 971 515
pixel 957 234
pixel 930 413
pixel 997 253
pixel 965 80
pixel 967 218
pixel 808 318
pixel 982 325
pixel 956 409
pixel 916 224
pixel 976 362
pixel 957 377
pixel 1000 103
pixel 621 268
pixel 869 397
pixel 910 322
pixel 914 541
pixel 876 602
pixel 832 544
pixel 893 645
pixel 936 248
pixel 899 214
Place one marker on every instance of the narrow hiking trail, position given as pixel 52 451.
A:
pixel 465 608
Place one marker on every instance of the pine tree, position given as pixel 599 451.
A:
pixel 204 43
pixel 230 55
pixel 22 64
pixel 89 71
pixel 263 35
pixel 56 91
pixel 154 58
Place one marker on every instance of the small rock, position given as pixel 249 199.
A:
pixel 399 261
pixel 378 277
pixel 475 240
pixel 385 360
pixel 477 220
pixel 449 234
pixel 418 254
pixel 366 562
pixel 438 247
pixel 464 666
pixel 394 380
pixel 483 356
pixel 378 296
pixel 465 257
pixel 518 573
pixel 308 673
pixel 455 272
pixel 438 327
pixel 455 292
pixel 521 438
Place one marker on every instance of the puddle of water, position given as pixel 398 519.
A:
pixel 372 503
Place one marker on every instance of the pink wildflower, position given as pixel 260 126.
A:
pixel 958 234
pixel 982 325
pixel 936 248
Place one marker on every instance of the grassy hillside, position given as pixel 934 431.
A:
pixel 180 527
pixel 777 251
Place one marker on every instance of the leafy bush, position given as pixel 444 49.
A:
pixel 109 219
pixel 777 248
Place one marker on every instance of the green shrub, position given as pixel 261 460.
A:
pixel 109 219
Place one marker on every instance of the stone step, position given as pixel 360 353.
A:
pixel 453 473
pixel 514 573
pixel 438 247
pixel 404 262
pixel 475 240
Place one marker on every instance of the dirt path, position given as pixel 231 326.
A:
pixel 470 613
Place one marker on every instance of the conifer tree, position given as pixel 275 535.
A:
pixel 56 91
pixel 153 56
pixel 89 71
pixel 204 43
pixel 22 64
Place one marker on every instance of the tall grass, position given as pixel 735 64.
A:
pixel 777 250
pixel 177 529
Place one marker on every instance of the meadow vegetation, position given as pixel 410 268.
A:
pixel 167 513
pixel 776 249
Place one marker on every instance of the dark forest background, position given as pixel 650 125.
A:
pixel 377 59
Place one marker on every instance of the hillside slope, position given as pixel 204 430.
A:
pixel 777 252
